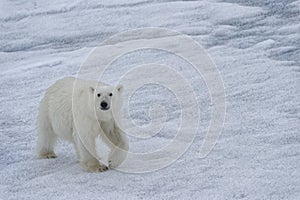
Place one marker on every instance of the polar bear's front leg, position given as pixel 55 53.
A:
pixel 93 165
pixel 116 157
pixel 87 161
pixel 119 153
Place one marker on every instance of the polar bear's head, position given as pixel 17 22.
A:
pixel 107 101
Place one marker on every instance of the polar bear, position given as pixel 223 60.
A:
pixel 86 113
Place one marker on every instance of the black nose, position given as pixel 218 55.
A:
pixel 103 104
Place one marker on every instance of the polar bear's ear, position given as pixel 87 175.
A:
pixel 92 90
pixel 120 88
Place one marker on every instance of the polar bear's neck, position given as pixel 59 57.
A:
pixel 111 131
pixel 107 126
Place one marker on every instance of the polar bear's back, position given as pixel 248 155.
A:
pixel 57 105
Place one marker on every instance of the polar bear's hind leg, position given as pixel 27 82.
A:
pixel 46 137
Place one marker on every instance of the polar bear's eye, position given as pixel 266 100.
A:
pixel 98 95
pixel 110 94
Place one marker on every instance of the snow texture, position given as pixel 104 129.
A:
pixel 254 43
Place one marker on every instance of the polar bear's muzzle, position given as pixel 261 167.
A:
pixel 104 105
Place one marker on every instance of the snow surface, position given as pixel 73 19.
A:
pixel 256 46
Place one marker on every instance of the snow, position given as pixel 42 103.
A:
pixel 255 45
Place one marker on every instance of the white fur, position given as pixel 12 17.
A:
pixel 74 114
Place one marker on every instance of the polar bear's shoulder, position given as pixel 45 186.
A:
pixel 63 83
pixel 68 86
pixel 80 84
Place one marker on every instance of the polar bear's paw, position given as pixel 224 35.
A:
pixel 102 168
pixel 94 166
pixel 48 155
pixel 110 164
